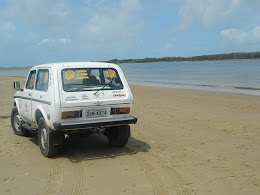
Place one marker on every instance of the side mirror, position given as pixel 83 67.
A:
pixel 17 85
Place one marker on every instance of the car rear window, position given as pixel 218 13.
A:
pixel 90 79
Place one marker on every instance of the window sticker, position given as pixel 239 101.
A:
pixel 111 73
pixel 119 95
pixel 81 74
pixel 70 74
pixel 71 98
pixel 84 97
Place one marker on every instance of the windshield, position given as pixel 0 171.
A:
pixel 90 79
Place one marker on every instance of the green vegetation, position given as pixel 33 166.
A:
pixel 229 56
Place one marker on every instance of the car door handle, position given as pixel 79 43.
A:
pixel 30 94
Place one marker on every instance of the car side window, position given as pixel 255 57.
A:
pixel 31 79
pixel 42 80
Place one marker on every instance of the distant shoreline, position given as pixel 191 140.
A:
pixel 216 57
pixel 178 61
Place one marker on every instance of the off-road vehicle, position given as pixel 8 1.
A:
pixel 61 99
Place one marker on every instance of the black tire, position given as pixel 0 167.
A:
pixel 16 122
pixel 118 135
pixel 50 141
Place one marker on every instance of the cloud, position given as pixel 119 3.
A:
pixel 65 41
pixel 241 40
pixel 113 23
pixel 55 42
pixel 59 10
pixel 47 16
pixel 7 30
pixel 45 41
pixel 9 26
pixel 66 29
pixel 206 12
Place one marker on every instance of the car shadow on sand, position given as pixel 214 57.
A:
pixel 95 146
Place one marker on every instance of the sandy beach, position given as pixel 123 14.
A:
pixel 185 142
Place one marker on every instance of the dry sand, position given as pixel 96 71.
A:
pixel 185 142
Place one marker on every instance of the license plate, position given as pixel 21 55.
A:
pixel 96 113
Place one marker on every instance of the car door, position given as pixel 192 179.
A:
pixel 27 97
pixel 41 96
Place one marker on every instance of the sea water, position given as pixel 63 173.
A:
pixel 237 76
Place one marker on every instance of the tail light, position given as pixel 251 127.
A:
pixel 125 110
pixel 71 114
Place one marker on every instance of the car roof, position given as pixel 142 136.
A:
pixel 76 65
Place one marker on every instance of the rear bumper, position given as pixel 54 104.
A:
pixel 60 127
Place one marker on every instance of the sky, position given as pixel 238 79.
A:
pixel 43 31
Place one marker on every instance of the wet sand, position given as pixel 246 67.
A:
pixel 185 142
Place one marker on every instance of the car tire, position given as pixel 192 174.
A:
pixel 50 141
pixel 16 122
pixel 118 135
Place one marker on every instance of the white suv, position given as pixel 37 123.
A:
pixel 73 98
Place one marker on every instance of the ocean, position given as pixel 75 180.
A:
pixel 236 76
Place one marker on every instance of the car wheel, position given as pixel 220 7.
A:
pixel 118 135
pixel 16 122
pixel 50 141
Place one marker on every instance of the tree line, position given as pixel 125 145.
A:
pixel 229 56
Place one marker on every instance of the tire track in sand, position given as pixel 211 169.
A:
pixel 158 185
pixel 80 177
pixel 56 175
pixel 174 176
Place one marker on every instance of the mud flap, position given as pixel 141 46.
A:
pixel 124 131
pixel 57 138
